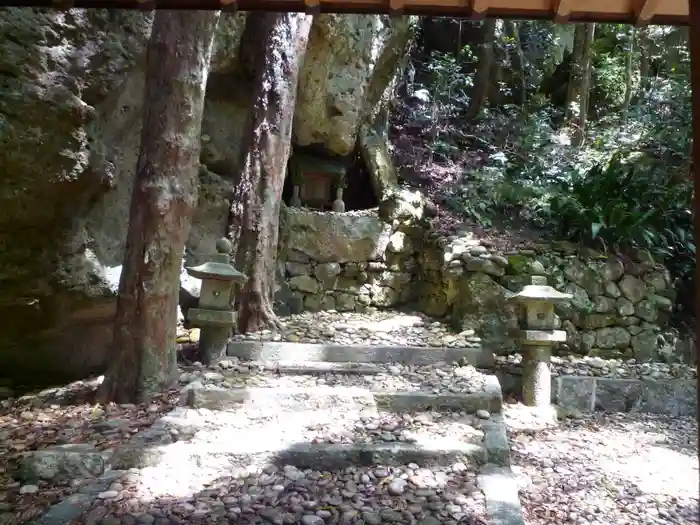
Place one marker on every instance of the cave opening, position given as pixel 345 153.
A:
pixel 314 178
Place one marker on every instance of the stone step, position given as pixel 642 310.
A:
pixel 300 398
pixel 290 399
pixel 317 456
pixel 271 351
pixel 212 441
pixel 294 367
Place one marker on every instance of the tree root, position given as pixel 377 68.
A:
pixel 256 314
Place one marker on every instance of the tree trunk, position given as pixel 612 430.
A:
pixel 483 73
pixel 275 44
pixel 162 203
pixel 575 75
pixel 580 81
pixel 585 89
pixel 629 72
pixel 518 61
pixel 644 46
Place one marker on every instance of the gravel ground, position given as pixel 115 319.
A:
pixel 387 427
pixel 59 416
pixel 375 328
pixel 606 469
pixel 436 378
pixel 599 367
pixel 370 496
pixel 416 329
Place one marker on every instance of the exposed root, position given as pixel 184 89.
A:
pixel 256 314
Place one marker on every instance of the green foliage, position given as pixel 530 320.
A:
pixel 626 185
pixel 623 203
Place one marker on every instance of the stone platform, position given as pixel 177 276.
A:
pixel 267 351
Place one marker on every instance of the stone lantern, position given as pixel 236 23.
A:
pixel 214 315
pixel 538 338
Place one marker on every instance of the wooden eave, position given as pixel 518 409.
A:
pixel 638 12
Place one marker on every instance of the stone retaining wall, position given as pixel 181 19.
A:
pixel 344 261
pixel 619 309
pixel 674 397
pixel 352 261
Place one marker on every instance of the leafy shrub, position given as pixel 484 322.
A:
pixel 623 204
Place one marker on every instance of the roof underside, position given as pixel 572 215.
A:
pixel 640 12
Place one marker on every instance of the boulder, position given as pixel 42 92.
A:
pixel 633 288
pixel 62 463
pixel 305 283
pixel 481 305
pixel 60 70
pixel 335 237
pixel 645 345
pixel 612 337
pixel 350 60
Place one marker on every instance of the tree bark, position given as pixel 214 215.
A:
pixel 162 203
pixel 585 89
pixel 482 77
pixel 629 72
pixel 575 75
pixel 275 44
pixel 518 61
pixel 580 81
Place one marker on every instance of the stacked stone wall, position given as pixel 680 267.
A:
pixel 350 262
pixel 345 261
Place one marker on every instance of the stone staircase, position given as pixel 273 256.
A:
pixel 332 409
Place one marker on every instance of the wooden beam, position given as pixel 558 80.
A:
pixel 479 8
pixel 667 12
pixel 562 11
pixel 396 8
pixel 313 7
pixel 147 5
pixel 645 11
pixel 230 6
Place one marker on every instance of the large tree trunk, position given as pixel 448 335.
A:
pixel 629 74
pixel 518 61
pixel 480 92
pixel 162 203
pixel 274 44
pixel 585 91
pixel 580 80
pixel 576 75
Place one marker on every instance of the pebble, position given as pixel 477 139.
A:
pixel 417 329
pixel 379 327
pixel 483 414
pixel 374 495
pixel 439 377
pixel 397 487
pixel 599 367
pixel 620 470
pixel 312 519
pixel 28 489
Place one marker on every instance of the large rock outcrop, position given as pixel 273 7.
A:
pixel 349 63
pixel 71 88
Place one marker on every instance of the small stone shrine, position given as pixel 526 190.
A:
pixel 318 182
